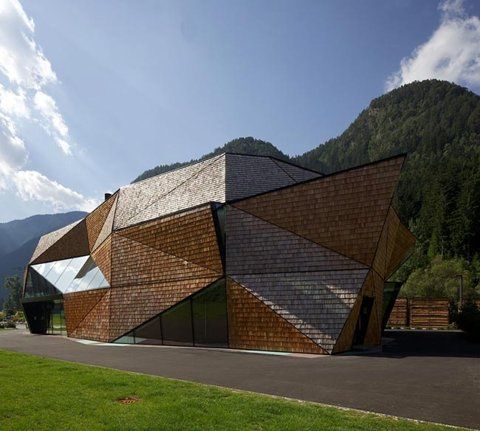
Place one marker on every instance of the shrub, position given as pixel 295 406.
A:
pixel 7 324
pixel 468 320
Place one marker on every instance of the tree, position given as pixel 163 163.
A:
pixel 441 279
pixel 11 304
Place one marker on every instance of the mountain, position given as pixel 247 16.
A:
pixel 19 238
pixel 15 233
pixel 247 145
pixel 438 124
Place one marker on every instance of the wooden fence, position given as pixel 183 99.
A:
pixel 420 313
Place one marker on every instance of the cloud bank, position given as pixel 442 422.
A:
pixel 25 74
pixel 452 53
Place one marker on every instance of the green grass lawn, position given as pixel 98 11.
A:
pixel 44 394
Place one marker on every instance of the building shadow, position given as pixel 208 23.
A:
pixel 405 343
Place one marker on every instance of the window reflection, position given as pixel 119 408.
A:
pixel 64 276
pixel 200 320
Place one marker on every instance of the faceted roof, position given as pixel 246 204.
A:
pixel 219 179
pixel 222 178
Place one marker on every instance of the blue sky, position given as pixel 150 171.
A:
pixel 95 92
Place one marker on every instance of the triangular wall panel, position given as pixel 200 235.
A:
pixel 190 236
pixel 140 196
pixel 103 258
pixel 297 173
pixel 107 226
pixel 131 306
pixel 47 240
pixel 73 243
pixel 255 246
pixel 205 186
pixel 96 324
pixel 395 243
pixel 249 175
pixel 345 211
pixel 316 303
pixel 253 325
pixel 78 305
pixel 96 219
pixel 134 263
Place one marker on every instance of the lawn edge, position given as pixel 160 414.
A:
pixel 245 391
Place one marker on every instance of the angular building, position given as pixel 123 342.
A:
pixel 239 251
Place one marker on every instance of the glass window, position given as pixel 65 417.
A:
pixel 43 268
pixel 126 339
pixel 210 316
pixel 177 325
pixel 149 333
pixel 64 276
pixel 56 271
pixel 57 319
pixel 89 277
pixel 69 273
pixel 38 286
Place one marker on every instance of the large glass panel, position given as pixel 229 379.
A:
pixel 69 273
pixel 210 316
pixel 57 319
pixel 149 333
pixel 126 339
pixel 177 325
pixel 37 315
pixel 56 271
pixel 38 286
pixel 89 277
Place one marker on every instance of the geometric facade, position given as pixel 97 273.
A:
pixel 239 251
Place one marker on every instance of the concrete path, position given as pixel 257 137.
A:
pixel 433 376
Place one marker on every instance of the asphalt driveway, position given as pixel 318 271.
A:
pixel 433 376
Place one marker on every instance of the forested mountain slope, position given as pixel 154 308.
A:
pixel 438 124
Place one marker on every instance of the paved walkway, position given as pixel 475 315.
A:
pixel 429 376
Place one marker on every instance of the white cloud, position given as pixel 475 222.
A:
pixel 452 53
pixel 13 103
pixel 32 185
pixel 54 123
pixel 24 98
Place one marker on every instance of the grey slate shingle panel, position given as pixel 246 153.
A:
pixel 256 246
pixel 206 185
pixel 250 175
pixel 220 178
pixel 316 303
pixel 297 173
pixel 142 196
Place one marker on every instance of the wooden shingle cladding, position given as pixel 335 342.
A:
pixel 298 259
pixel 255 246
pixel 171 192
pixel 393 247
pixel 107 227
pixel 189 235
pixel 344 212
pixel 254 325
pixel 96 324
pixel 103 258
pixel 78 305
pixel 49 239
pixel 316 303
pixel 249 175
pixel 96 220
pixel 130 306
pixel 73 243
